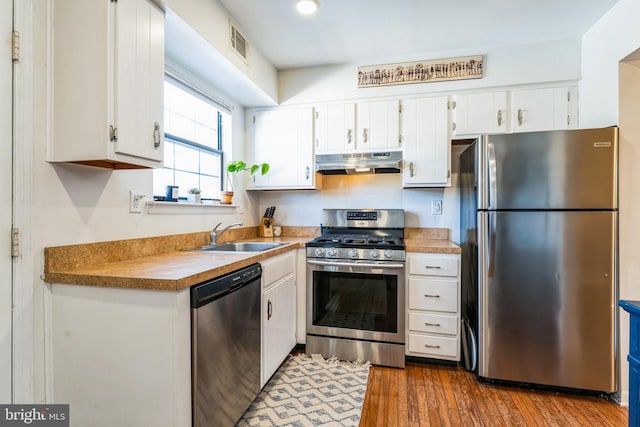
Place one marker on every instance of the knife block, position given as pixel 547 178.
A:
pixel 265 229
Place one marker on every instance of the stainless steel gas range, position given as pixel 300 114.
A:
pixel 356 286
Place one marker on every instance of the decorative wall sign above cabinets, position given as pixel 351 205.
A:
pixel 436 70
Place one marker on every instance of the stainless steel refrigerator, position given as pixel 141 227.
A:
pixel 539 226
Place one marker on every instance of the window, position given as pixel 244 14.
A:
pixel 193 142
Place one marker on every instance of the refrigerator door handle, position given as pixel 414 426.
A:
pixel 491 166
pixel 491 243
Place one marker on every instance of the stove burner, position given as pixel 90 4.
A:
pixel 322 239
pixel 357 240
pixel 354 241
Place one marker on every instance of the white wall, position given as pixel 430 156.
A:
pixel 609 41
pixel 612 38
pixel 504 66
pixel 210 20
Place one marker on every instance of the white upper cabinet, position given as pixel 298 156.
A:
pixel 335 127
pixel 365 126
pixel 378 125
pixel 108 83
pixel 480 113
pixel 427 142
pixel 525 110
pixel 284 138
pixel 544 109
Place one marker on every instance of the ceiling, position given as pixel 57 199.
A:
pixel 361 31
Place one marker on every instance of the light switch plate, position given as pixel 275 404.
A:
pixel 136 201
pixel 436 207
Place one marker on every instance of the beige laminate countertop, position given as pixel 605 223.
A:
pixel 160 264
pixel 440 246
pixel 170 271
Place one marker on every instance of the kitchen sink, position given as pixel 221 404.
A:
pixel 240 247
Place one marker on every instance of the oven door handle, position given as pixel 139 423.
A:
pixel 353 264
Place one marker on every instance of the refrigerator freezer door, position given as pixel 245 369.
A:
pixel 574 169
pixel 547 298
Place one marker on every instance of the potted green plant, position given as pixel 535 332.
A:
pixel 193 195
pixel 237 166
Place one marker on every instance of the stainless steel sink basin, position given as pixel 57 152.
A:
pixel 240 247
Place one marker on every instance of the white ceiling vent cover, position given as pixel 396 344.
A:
pixel 238 42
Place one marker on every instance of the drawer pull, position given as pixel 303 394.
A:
pixel 432 266
pixel 431 324
pixel 431 296
pixel 431 346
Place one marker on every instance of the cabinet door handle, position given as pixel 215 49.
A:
pixel 411 169
pixel 156 135
pixel 520 112
pixel 307 173
pixel 349 136
pixel 431 324
pixel 432 266
pixel 365 134
pixel 316 142
pixel 499 117
pixel 453 126
pixel 113 134
pixel 269 309
pixel 431 346
pixel 431 296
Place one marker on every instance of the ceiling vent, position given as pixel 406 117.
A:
pixel 238 42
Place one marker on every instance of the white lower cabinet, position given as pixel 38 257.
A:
pixel 121 357
pixel 278 312
pixel 433 306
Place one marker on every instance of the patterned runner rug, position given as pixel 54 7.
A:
pixel 310 391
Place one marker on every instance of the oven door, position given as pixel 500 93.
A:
pixel 356 299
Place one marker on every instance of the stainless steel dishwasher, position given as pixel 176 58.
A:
pixel 225 349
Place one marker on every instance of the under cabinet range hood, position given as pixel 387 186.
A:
pixel 359 163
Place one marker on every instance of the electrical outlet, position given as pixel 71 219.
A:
pixel 136 201
pixel 436 207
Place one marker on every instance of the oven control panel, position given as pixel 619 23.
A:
pixel 356 254
pixel 362 215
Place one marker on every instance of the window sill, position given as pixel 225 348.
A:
pixel 155 207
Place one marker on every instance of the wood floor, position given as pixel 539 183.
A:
pixel 434 395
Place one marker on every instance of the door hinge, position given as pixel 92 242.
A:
pixel 449 173
pixel 400 108
pixel 15 46
pixel 568 96
pixel 15 242
pixel 400 139
pixel 254 120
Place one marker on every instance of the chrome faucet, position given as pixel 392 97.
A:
pixel 215 235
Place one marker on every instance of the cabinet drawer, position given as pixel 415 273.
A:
pixel 433 323
pixel 433 265
pixel 274 269
pixel 433 294
pixel 433 345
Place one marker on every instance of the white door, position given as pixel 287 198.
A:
pixel 378 125
pixel 427 145
pixel 278 323
pixel 6 138
pixel 480 113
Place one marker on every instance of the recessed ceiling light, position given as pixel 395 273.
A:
pixel 306 7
